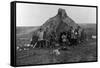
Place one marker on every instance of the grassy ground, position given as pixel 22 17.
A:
pixel 85 51
pixel 79 53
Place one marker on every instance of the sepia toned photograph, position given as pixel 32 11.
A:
pixel 55 34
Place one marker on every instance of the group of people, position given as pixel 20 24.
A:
pixel 70 37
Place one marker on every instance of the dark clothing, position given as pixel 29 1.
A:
pixel 63 39
pixel 41 44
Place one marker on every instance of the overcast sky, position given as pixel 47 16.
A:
pixel 37 14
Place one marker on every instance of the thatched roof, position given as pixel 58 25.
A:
pixel 60 22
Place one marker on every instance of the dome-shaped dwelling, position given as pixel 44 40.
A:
pixel 55 26
pixel 59 23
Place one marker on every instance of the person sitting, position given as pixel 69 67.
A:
pixel 63 39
